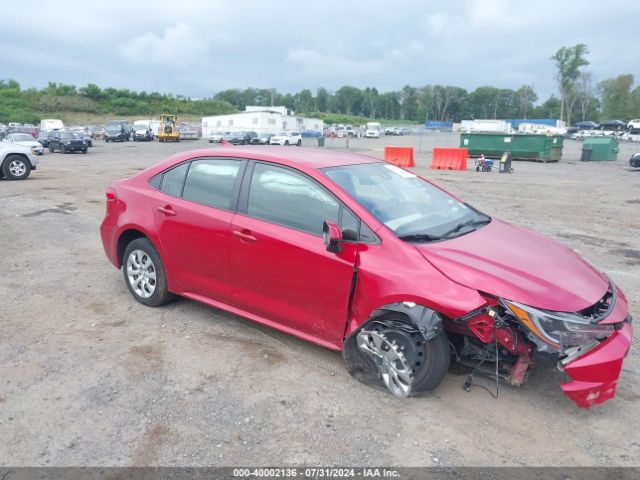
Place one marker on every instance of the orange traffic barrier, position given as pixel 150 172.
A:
pixel 400 156
pixel 449 158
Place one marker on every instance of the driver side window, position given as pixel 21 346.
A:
pixel 282 196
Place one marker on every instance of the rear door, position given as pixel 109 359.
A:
pixel 192 211
pixel 280 268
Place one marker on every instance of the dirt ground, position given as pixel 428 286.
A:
pixel 88 376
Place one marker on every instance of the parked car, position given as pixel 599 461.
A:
pixel 117 131
pixel 360 256
pixel 142 132
pixel 634 161
pixel 262 139
pixel 612 125
pixel 241 138
pixel 217 137
pixel 634 126
pixel 16 161
pixel 286 138
pixel 43 139
pixel 83 132
pixel 26 140
pixel 586 125
pixel 65 142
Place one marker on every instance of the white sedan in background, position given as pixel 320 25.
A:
pixel 286 138
pixel 26 140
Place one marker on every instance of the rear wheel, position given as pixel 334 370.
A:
pixel 144 274
pixel 84 150
pixel 391 352
pixel 286 142
pixel 299 144
pixel 16 167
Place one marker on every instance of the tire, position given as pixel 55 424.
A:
pixel 84 150
pixel 16 167
pixel 51 149
pixel 137 253
pixel 431 358
pixel 299 144
pixel 286 142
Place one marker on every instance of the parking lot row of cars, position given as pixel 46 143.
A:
pixel 253 138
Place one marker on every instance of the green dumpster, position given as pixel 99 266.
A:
pixel 597 149
pixel 523 146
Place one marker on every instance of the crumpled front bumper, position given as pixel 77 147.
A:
pixel 595 374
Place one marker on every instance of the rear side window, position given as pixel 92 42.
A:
pixel 281 196
pixel 210 182
pixel 173 179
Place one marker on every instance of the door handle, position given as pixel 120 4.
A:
pixel 245 235
pixel 167 210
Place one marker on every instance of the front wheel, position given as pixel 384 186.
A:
pixel 84 150
pixel 144 273
pixel 299 144
pixel 16 167
pixel 390 351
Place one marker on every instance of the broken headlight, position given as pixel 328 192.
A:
pixel 558 329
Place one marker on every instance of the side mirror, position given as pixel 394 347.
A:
pixel 332 237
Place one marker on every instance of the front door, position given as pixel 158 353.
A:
pixel 280 268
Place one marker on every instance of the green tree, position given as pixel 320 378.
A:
pixel 349 100
pixel 91 91
pixel 526 97
pixel 305 101
pixel 615 94
pixel 322 99
pixel 569 61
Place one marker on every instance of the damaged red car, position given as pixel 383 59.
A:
pixel 363 257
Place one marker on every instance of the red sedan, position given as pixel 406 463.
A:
pixel 363 257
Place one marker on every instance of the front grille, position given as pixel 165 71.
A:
pixel 602 307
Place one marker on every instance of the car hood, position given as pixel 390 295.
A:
pixel 519 265
pixel 29 143
pixel 13 147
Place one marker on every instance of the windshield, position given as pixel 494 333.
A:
pixel 23 138
pixel 408 205
pixel 114 127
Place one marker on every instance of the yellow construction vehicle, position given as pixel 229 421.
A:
pixel 168 131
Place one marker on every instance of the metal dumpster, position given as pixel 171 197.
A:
pixel 596 149
pixel 545 148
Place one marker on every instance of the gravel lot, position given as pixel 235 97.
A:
pixel 91 377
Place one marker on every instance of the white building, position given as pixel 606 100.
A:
pixel 260 120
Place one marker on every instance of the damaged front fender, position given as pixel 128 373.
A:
pixel 428 321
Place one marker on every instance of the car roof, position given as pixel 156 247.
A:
pixel 314 158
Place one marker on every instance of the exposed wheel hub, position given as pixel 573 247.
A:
pixel 389 356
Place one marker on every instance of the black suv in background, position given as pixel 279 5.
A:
pixel 117 131
pixel 67 142
pixel 241 138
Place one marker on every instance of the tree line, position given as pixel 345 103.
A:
pixel 580 99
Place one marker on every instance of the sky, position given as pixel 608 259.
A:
pixel 197 48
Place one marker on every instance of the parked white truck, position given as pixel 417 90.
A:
pixel 373 130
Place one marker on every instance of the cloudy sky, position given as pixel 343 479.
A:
pixel 196 48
